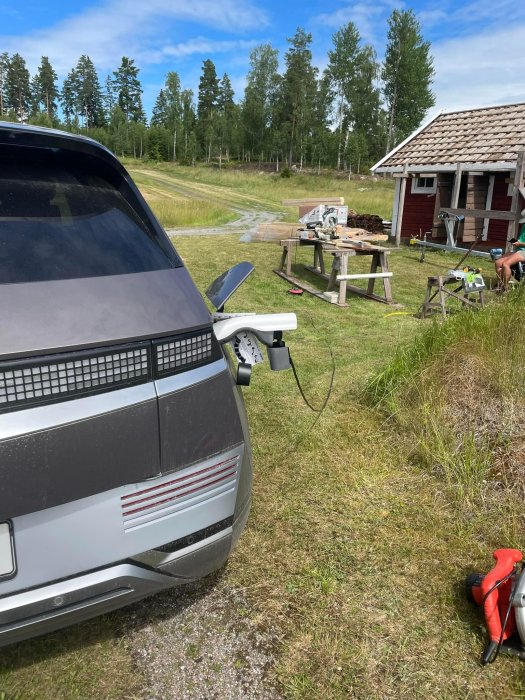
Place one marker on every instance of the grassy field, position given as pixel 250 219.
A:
pixel 234 189
pixel 357 547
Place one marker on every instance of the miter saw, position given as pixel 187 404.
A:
pixel 323 220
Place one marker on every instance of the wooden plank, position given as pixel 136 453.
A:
pixel 382 261
pixel 365 276
pixel 488 206
pixel 456 187
pixel 342 281
pixel 481 213
pixel 373 269
pixel 314 201
pixel 332 281
pixel 513 228
pixel 302 285
pixel 401 204
pixel 275 231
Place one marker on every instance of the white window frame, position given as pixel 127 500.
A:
pixel 418 189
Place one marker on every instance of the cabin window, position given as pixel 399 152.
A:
pixel 423 185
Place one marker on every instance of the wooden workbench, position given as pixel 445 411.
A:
pixel 339 274
pixel 439 286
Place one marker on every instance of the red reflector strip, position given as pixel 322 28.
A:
pixel 177 481
pixel 182 487
pixel 178 495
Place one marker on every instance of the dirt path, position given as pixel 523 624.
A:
pixel 252 211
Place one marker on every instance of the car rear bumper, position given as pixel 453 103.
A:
pixel 57 605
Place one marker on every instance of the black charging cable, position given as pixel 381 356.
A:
pixel 499 583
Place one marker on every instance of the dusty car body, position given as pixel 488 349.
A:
pixel 125 465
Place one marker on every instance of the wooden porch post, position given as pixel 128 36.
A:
pixel 401 204
pixel 515 207
pixel 457 186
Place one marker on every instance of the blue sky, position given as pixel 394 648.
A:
pixel 477 45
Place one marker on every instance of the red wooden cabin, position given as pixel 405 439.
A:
pixel 467 163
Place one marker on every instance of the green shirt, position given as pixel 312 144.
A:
pixel 521 239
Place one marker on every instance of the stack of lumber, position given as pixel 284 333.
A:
pixel 276 231
pixel 280 231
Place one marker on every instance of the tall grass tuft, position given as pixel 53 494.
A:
pixel 458 392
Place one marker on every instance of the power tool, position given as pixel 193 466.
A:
pixel 501 594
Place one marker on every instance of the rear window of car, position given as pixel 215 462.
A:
pixel 67 215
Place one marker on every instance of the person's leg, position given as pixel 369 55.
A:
pixel 498 265
pixel 503 266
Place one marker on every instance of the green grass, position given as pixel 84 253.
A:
pixel 179 211
pixel 464 380
pixel 358 544
pixel 267 191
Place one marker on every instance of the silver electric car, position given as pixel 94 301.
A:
pixel 125 463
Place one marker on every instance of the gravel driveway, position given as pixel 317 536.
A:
pixel 246 225
pixel 200 642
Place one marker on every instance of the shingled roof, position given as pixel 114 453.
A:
pixel 490 135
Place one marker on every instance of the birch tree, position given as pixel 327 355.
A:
pixel 407 74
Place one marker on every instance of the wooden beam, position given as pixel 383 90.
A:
pixel 456 188
pixel 365 276
pixel 314 201
pixel 488 205
pixel 401 204
pixel 481 213
pixel 515 207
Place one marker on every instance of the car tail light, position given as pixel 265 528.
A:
pixel 57 377
pixel 182 352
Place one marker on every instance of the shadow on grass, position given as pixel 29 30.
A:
pixel 108 627
pixel 469 614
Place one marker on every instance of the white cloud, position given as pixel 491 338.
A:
pixel 480 70
pixel 205 46
pixel 123 27
pixel 466 18
pixel 366 16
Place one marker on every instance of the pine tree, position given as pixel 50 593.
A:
pixel 18 87
pixel 129 90
pixel 87 94
pixel 207 106
pixel 323 140
pixel 159 116
pixel 407 76
pixel 225 116
pixel 68 96
pixel 109 99
pixel 298 93
pixel 4 65
pixel 260 98
pixel 45 91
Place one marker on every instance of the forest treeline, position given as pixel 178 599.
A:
pixel 346 117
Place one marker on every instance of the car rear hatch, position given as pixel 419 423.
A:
pixel 109 370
